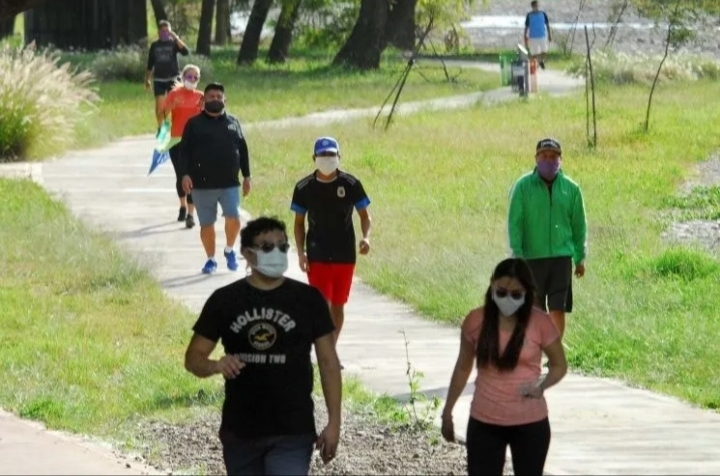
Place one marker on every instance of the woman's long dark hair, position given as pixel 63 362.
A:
pixel 488 348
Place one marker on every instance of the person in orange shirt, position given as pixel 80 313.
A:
pixel 507 338
pixel 183 102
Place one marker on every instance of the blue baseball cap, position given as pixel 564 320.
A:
pixel 326 144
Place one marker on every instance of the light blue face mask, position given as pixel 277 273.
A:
pixel 272 264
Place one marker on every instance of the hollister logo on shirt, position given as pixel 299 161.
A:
pixel 262 336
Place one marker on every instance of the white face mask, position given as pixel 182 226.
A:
pixel 190 85
pixel 327 165
pixel 272 264
pixel 508 305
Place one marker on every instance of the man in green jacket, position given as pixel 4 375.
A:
pixel 547 228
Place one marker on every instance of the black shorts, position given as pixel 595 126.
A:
pixel 553 278
pixel 161 88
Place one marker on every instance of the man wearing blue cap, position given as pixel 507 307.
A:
pixel 327 252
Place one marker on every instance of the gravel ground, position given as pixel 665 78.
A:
pixel 367 447
pixel 628 40
pixel 705 233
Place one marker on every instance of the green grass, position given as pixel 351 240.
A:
pixel 89 340
pixel 305 85
pixel 703 203
pixel 439 183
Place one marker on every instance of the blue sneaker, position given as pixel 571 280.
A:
pixel 210 267
pixel 231 261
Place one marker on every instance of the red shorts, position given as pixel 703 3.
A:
pixel 334 280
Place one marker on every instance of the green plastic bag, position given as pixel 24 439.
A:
pixel 163 138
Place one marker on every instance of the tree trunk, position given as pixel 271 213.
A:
pixel 87 24
pixel 158 10
pixel 280 46
pixel 204 39
pixel 7 27
pixel 400 28
pixel 251 38
pixel 222 22
pixel 366 43
pixel 11 8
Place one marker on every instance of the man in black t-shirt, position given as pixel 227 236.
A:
pixel 327 253
pixel 163 66
pixel 268 325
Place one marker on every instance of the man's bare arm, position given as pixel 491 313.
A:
pixel 197 357
pixel 365 222
pixel 330 377
pixel 299 230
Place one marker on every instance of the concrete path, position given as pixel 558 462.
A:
pixel 600 427
pixel 28 448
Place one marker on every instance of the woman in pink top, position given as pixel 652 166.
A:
pixel 507 337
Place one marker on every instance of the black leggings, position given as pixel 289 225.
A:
pixel 174 156
pixel 487 444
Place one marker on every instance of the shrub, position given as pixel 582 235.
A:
pixel 129 63
pixel 40 102
pixel 621 68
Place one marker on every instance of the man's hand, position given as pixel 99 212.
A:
pixel 364 246
pixel 448 429
pixel 247 185
pixel 147 85
pixel 187 184
pixel 229 366
pixel 327 442
pixel 172 35
pixel 303 262
pixel 580 270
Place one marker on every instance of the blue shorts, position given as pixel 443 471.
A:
pixel 206 201
pixel 274 455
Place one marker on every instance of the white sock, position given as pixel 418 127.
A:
pixel 228 249
pixel 211 258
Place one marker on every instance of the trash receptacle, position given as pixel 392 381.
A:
pixel 505 68
pixel 518 76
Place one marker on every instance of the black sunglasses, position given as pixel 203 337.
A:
pixel 516 295
pixel 268 247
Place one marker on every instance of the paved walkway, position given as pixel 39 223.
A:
pixel 600 427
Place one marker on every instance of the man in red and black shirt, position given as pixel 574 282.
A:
pixel 327 252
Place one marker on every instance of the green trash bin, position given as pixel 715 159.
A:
pixel 506 60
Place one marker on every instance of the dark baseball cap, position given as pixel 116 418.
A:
pixel 548 144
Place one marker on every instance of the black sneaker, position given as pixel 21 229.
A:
pixel 542 64
pixel 189 221
pixel 182 215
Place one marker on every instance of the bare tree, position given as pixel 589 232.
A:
pixel 222 22
pixel 619 11
pixel 568 47
pixel 251 38
pixel 204 39
pixel 379 23
pixel 280 46
pixel 158 10
pixel 672 24
pixel 590 81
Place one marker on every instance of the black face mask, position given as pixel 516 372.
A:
pixel 214 107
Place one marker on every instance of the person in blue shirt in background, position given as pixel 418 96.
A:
pixel 537 33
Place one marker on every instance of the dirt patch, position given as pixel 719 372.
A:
pixel 367 447
pixel 698 232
